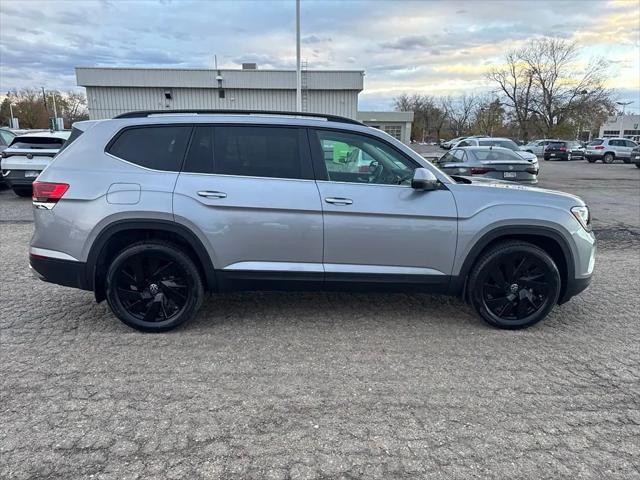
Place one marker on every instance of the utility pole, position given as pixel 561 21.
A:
pixel 298 71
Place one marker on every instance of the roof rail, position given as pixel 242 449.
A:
pixel 330 118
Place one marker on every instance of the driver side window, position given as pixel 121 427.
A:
pixel 359 159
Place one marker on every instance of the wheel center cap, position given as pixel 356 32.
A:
pixel 153 289
pixel 514 288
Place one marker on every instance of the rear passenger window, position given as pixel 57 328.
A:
pixel 258 152
pixel 158 147
pixel 200 156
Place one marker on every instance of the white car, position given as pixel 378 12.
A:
pixel 26 156
pixel 609 150
pixel 497 142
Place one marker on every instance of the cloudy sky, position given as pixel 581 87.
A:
pixel 431 47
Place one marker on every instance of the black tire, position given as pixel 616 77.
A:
pixel 608 158
pixel 626 160
pixel 514 276
pixel 153 286
pixel 638 165
pixel 23 191
pixel 591 160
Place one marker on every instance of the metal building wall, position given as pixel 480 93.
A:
pixel 107 102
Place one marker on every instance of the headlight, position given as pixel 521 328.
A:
pixel 583 217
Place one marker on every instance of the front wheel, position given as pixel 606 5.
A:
pixel 568 157
pixel 514 285
pixel 153 286
pixel 626 160
pixel 591 160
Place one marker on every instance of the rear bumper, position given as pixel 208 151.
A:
pixel 16 178
pixel 556 156
pixel 62 272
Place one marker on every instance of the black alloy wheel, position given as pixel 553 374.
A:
pixel 153 286
pixel 514 285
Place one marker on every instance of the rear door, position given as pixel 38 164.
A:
pixel 249 190
pixel 376 227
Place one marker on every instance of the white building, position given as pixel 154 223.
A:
pixel 396 124
pixel 112 91
pixel 627 126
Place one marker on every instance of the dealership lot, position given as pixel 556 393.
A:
pixel 273 385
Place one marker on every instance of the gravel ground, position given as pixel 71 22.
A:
pixel 328 386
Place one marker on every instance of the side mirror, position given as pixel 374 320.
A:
pixel 424 179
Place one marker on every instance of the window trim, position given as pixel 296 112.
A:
pixel 317 156
pixel 115 137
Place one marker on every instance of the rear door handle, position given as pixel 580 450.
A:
pixel 212 194
pixel 338 201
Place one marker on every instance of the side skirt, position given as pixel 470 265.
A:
pixel 245 280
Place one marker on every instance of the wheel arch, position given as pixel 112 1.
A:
pixel 120 233
pixel 550 240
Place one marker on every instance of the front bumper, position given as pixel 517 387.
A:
pixel 574 287
pixel 62 272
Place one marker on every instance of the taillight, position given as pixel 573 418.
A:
pixel 598 147
pixel 48 192
pixel 563 149
pixel 481 170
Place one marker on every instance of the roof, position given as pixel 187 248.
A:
pixel 208 78
pixel 391 116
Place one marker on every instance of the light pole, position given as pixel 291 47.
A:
pixel 298 72
pixel 624 104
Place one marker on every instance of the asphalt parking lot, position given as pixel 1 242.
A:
pixel 328 386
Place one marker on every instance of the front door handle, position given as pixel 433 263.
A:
pixel 212 194
pixel 338 201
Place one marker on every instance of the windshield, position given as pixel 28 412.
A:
pixel 490 154
pixel 37 143
pixel 510 144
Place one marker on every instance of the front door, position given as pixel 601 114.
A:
pixel 376 227
pixel 250 191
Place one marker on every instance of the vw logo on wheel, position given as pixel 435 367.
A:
pixel 153 289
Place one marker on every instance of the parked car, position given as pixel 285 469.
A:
pixel 537 146
pixel 6 136
pixel 563 150
pixel 609 150
pixel 635 156
pixel 26 156
pixel 491 162
pixel 450 143
pixel 151 210
pixel 482 141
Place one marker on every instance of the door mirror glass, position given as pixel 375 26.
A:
pixel 424 179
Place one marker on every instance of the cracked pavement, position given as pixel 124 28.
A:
pixel 328 386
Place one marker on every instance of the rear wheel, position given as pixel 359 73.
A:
pixel 568 157
pixel 608 158
pixel 638 165
pixel 514 285
pixel 591 160
pixel 153 286
pixel 23 191
pixel 626 160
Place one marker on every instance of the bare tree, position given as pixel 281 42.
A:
pixel 29 107
pixel 459 111
pixel 429 117
pixel 516 83
pixel 544 84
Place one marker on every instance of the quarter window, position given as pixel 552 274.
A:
pixel 359 159
pixel 156 147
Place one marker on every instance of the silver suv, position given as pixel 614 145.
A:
pixel 609 150
pixel 151 210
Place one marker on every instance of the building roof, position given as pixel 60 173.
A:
pixel 222 78
pixel 385 116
